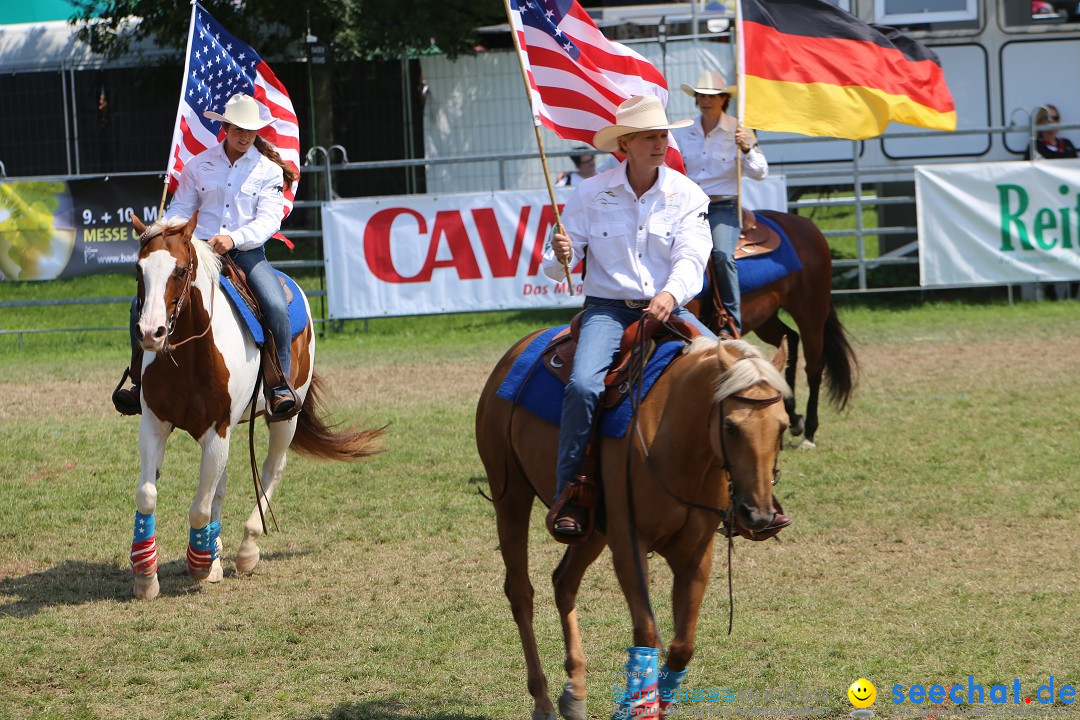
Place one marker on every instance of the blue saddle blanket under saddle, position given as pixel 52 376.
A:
pixel 297 312
pixel 537 390
pixel 758 271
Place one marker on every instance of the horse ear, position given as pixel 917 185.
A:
pixel 138 224
pixel 779 360
pixel 723 357
pixel 192 223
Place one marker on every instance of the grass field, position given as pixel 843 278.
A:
pixel 936 537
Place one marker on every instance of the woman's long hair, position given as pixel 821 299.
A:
pixel 268 150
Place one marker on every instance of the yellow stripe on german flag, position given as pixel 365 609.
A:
pixel 814 69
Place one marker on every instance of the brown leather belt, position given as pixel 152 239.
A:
pixel 637 304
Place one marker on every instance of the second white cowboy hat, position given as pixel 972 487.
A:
pixel 639 113
pixel 243 112
pixel 709 82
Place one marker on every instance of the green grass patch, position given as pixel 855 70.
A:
pixel 935 538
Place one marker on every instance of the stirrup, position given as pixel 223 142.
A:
pixel 282 404
pixel 126 400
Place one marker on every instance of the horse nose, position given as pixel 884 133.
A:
pixel 753 518
pixel 153 337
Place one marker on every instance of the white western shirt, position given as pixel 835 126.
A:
pixel 638 247
pixel 243 201
pixel 710 159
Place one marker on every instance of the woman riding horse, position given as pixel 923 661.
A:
pixel 236 188
pixel 643 226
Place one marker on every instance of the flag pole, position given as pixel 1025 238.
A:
pixel 539 140
pixel 176 126
pixel 740 111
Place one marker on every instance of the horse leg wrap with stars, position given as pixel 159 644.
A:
pixel 668 688
pixel 639 702
pixel 203 549
pixel 144 546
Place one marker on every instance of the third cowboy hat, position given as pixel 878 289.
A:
pixel 709 82
pixel 642 112
pixel 243 112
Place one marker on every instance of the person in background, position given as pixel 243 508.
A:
pixel 711 147
pixel 1047 142
pixel 584 168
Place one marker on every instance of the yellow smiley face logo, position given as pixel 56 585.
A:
pixel 862 693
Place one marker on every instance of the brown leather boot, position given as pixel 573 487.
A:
pixel 127 400
pixel 282 402
pixel 571 517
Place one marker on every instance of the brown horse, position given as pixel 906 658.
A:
pixel 807 296
pixel 199 373
pixel 706 443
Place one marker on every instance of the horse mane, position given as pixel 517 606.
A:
pixel 751 368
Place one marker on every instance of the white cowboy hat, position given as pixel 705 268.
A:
pixel 642 112
pixel 709 82
pixel 241 111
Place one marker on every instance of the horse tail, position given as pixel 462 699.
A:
pixel 315 439
pixel 840 362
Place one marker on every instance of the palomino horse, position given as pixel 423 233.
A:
pixel 199 371
pixel 706 442
pixel 807 296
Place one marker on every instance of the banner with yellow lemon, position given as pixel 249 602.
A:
pixel 64 228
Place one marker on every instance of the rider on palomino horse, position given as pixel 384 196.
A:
pixel 236 187
pixel 645 229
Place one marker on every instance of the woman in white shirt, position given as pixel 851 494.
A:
pixel 237 188
pixel 710 148
pixel 643 226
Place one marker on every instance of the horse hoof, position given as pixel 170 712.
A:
pixel 146 587
pixel 570 707
pixel 541 715
pixel 806 444
pixel 216 572
pixel 246 561
pixel 797 427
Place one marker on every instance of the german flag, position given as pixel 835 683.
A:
pixel 811 68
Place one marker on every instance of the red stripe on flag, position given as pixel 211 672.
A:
pixel 839 61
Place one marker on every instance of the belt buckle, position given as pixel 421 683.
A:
pixel 636 304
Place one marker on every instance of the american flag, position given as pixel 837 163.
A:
pixel 218 66
pixel 578 77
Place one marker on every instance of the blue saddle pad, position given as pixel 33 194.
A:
pixel 537 390
pixel 297 313
pixel 758 271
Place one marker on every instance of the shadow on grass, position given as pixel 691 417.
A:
pixel 392 710
pixel 75 582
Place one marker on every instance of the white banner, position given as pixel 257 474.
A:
pixel 998 223
pixel 466 252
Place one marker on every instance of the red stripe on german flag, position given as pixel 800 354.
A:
pixel 814 69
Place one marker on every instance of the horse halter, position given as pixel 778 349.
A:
pixel 187 274
pixel 759 402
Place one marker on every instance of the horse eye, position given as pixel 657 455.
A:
pixel 180 272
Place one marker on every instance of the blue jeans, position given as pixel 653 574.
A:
pixel 602 328
pixel 724 221
pixel 266 288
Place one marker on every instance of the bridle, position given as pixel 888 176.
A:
pixel 187 274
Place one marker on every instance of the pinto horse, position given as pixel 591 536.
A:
pixel 806 295
pixel 200 367
pixel 705 444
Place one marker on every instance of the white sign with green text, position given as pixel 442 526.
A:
pixel 998 223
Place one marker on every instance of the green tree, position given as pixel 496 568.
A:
pixel 351 29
